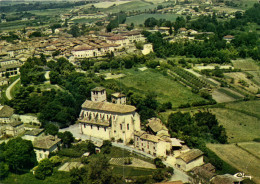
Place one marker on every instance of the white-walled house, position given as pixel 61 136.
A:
pixel 190 159
pixel 119 40
pixel 107 120
pixel 45 145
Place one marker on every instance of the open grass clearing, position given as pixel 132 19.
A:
pixel 166 89
pixel 84 20
pixel 131 171
pixel 231 93
pixel 252 147
pixel 247 107
pixel 245 64
pixel 221 97
pixel 240 127
pixel 256 76
pixel 238 158
pixel 109 4
pixel 135 163
pixel 247 84
pixel 139 19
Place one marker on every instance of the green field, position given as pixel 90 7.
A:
pixel 84 20
pixel 139 19
pixel 240 127
pixel 136 5
pixel 131 171
pixel 166 89
pixel 245 64
pixel 242 160
pixel 250 107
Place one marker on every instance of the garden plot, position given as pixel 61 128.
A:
pixel 135 162
pixel 245 64
pixel 226 95
pixel 240 79
pixel 69 165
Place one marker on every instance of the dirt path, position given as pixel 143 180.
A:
pixel 8 90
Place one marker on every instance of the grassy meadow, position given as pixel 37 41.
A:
pixel 241 120
pixel 242 160
pixel 139 19
pixel 166 89
pixel 245 64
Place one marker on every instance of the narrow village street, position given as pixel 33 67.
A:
pixel 8 90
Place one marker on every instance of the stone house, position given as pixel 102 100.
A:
pixel 118 98
pixel 33 134
pixel 156 127
pixel 119 40
pixel 152 144
pixel 14 129
pixel 43 146
pixel 105 120
pixel 190 159
pixel 6 113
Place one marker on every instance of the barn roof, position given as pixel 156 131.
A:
pixel 191 155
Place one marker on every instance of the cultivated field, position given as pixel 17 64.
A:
pixel 250 107
pixel 165 88
pixel 108 4
pixel 136 5
pixel 139 19
pixel 252 147
pixel 240 127
pixel 245 64
pixel 221 97
pixel 242 160
pixel 248 84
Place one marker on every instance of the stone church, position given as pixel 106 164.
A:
pixel 105 120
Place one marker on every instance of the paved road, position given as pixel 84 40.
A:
pixel 178 174
pixel 47 75
pixel 8 90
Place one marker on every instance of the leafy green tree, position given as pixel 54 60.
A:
pixel 75 31
pixel 150 22
pixel 4 170
pixel 19 155
pixel 45 168
pixel 66 138
pixel 51 129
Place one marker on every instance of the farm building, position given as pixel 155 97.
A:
pixel 190 159
pixel 45 145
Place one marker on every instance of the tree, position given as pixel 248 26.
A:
pixel 19 155
pixel 75 31
pixel 4 170
pixel 150 22
pixel 66 138
pixel 45 168
pixel 51 129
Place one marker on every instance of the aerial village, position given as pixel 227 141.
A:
pixel 109 119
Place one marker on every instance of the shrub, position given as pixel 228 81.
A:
pixel 256 139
